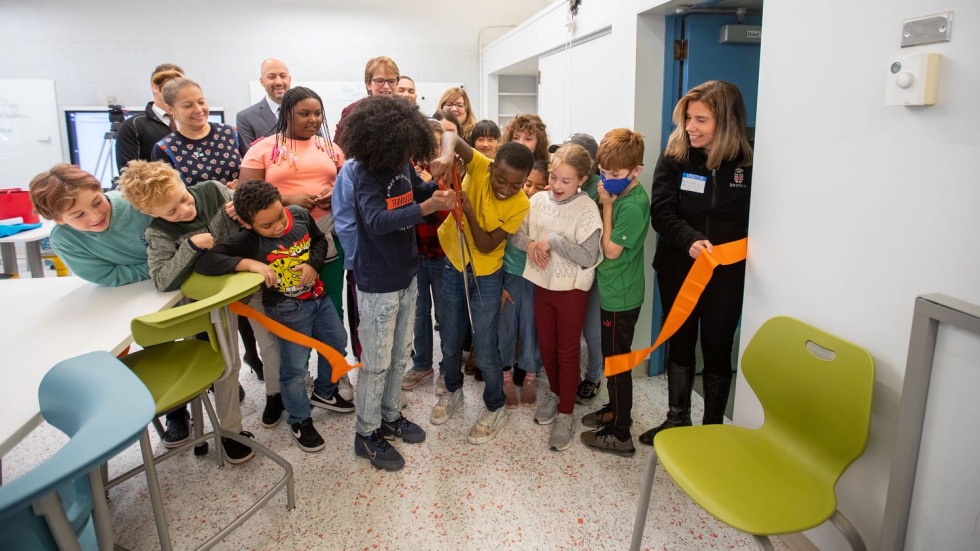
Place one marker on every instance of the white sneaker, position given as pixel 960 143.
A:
pixel 547 408
pixel 487 426
pixel 345 388
pixel 441 386
pixel 561 433
pixel 449 404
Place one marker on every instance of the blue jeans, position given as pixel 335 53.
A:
pixel 429 280
pixel 318 319
pixel 385 337
pixel 486 315
pixel 593 336
pixel 518 319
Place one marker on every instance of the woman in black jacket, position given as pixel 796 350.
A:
pixel 700 198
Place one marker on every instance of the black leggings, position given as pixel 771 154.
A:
pixel 717 312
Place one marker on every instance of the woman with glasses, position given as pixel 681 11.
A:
pixel 457 102
pixel 380 79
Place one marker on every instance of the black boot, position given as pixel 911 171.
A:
pixel 680 382
pixel 251 357
pixel 715 398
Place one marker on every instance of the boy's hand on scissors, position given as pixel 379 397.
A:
pixel 443 199
pixel 441 166
pixel 504 299
pixel 307 274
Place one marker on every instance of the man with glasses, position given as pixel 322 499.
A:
pixel 380 79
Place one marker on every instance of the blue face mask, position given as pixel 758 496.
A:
pixel 615 187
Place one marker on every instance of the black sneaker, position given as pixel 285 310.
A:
pixel 307 438
pixel 334 403
pixel 272 413
pixel 375 448
pixel 587 391
pixel 236 452
pixel 178 431
pixel 606 440
pixel 403 428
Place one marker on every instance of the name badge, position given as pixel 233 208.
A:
pixel 693 182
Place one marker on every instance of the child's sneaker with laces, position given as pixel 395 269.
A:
pixel 307 438
pixel 378 451
pixel 414 377
pixel 487 426
pixel 587 391
pixel 448 404
pixel 403 428
pixel 547 409
pixel 334 403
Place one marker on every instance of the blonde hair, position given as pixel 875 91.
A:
pixel 620 148
pixel 529 124
pixel 573 155
pixel 148 184
pixel 55 190
pixel 731 140
pixel 466 125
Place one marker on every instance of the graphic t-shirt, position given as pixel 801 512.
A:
pixel 303 243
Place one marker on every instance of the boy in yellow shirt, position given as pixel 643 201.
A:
pixel 493 207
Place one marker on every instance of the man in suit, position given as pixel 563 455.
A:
pixel 137 135
pixel 260 119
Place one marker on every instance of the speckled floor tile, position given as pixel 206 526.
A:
pixel 511 493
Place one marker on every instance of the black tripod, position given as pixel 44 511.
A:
pixel 105 164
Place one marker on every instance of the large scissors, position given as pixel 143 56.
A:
pixel 464 246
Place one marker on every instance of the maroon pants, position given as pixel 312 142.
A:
pixel 559 317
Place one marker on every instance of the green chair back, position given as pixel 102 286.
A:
pixel 210 292
pixel 816 401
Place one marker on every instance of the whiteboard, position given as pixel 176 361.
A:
pixel 336 95
pixel 30 140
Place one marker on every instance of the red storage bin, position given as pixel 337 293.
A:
pixel 17 203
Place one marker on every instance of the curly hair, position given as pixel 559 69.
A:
pixel 530 124
pixel 253 196
pixel 384 133
pixel 147 185
pixel 55 190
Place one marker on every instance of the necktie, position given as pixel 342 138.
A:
pixel 173 125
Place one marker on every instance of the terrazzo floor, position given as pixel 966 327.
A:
pixel 512 493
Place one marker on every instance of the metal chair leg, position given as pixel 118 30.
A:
pixel 763 542
pixel 100 511
pixel 848 531
pixel 156 499
pixel 643 504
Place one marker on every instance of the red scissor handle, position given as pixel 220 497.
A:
pixel 457 186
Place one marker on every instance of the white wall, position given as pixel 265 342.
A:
pixel 857 208
pixel 613 80
pixel 100 48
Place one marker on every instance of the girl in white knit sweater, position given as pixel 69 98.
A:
pixel 561 235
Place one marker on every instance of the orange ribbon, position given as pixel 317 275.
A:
pixel 338 362
pixel 687 298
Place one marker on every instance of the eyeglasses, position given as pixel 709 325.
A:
pixel 457 105
pixel 383 81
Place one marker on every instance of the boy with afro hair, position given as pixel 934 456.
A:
pixel 384 134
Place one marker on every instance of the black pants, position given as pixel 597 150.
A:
pixel 616 329
pixel 716 314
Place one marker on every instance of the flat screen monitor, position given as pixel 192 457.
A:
pixel 87 142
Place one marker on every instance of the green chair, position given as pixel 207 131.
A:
pixel 815 391
pixel 176 371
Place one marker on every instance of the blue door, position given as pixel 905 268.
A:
pixel 694 54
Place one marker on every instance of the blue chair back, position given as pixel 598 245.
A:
pixel 103 408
